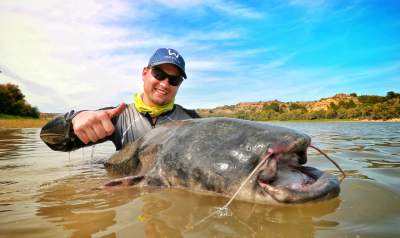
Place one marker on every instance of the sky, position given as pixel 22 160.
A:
pixel 89 54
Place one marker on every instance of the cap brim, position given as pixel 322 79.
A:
pixel 169 62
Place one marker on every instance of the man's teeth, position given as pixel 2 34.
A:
pixel 163 92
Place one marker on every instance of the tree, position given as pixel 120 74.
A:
pixel 392 94
pixel 366 99
pixel 296 106
pixel 12 102
pixel 346 104
pixel 274 106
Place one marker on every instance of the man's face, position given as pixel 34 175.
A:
pixel 158 93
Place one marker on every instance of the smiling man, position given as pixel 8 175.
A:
pixel 124 124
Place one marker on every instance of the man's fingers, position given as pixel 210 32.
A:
pixel 100 131
pixel 116 111
pixel 91 126
pixel 91 134
pixel 108 127
pixel 83 137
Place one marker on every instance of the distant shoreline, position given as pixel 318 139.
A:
pixel 338 120
pixel 38 123
pixel 389 120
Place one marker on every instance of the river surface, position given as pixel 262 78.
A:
pixel 44 193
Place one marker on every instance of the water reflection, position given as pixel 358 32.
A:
pixel 79 205
pixel 79 200
pixel 10 139
pixel 382 163
pixel 163 214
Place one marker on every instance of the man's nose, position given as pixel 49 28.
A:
pixel 164 83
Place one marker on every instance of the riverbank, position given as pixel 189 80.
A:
pixel 321 120
pixel 20 122
pixel 344 120
pixel 389 120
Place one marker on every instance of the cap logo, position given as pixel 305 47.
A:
pixel 171 52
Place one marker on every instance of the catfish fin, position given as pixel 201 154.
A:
pixel 125 181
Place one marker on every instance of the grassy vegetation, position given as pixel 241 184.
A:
pixel 291 120
pixel 10 121
pixel 338 108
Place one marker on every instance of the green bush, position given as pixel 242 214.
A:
pixel 12 102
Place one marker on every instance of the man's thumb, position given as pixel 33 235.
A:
pixel 116 111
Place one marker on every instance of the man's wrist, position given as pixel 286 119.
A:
pixel 70 134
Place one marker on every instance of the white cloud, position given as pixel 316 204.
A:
pixel 230 8
pixel 78 55
pixel 235 9
pixel 65 49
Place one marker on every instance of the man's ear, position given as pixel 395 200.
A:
pixel 145 72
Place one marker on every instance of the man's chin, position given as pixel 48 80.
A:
pixel 160 101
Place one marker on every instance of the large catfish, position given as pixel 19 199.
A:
pixel 215 155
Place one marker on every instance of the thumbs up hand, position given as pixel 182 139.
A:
pixel 91 126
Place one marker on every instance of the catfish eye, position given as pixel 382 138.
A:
pixel 248 148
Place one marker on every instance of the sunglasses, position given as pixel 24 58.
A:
pixel 160 75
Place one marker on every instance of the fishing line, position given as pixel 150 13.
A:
pixel 248 178
pixel 336 164
pixel 224 211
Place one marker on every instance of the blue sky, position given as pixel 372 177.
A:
pixel 89 54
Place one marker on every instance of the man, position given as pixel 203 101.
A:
pixel 126 123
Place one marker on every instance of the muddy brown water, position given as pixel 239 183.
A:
pixel 44 193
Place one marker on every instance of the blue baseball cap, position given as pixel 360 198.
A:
pixel 168 56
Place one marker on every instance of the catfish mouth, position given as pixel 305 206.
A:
pixel 293 183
